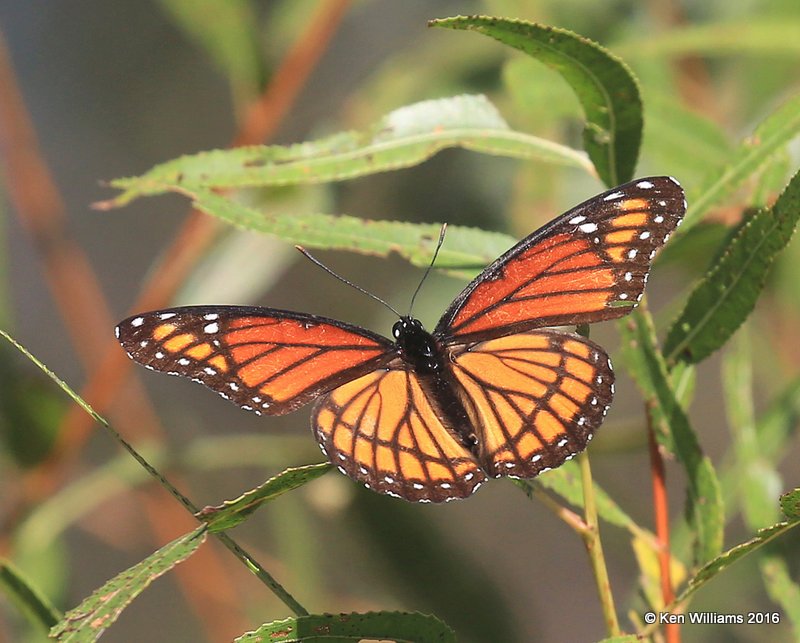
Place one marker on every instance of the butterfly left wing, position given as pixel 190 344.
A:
pixel 588 265
pixel 264 360
pixel 382 430
pixel 535 398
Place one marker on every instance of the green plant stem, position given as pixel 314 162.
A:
pixel 591 538
pixel 262 574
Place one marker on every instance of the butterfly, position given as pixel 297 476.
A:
pixel 493 391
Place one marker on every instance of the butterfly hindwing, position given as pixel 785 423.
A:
pixel 535 398
pixel 382 430
pixel 264 360
pixel 588 265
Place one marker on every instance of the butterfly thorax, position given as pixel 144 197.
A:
pixel 417 346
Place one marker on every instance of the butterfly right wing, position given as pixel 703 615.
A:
pixel 381 430
pixel 588 265
pixel 535 399
pixel 264 360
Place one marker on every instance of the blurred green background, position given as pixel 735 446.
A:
pixel 114 88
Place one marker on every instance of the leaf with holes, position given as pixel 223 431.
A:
pixel 95 614
pixel 401 627
pixel 403 138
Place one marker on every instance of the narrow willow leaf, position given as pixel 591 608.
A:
pixel 405 137
pixel 229 31
pixel 604 85
pixel 755 37
pixel 98 612
pixel 233 512
pixel 704 500
pixel 464 248
pixel 727 294
pixel 22 591
pixel 774 132
pixel 400 627
pixel 711 569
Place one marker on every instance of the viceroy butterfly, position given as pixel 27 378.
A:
pixel 490 393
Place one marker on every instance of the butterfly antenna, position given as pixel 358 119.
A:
pixel 316 261
pixel 429 268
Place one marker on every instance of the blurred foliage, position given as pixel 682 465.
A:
pixel 457 127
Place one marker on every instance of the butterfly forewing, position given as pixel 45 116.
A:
pixel 535 398
pixel 588 265
pixel 382 430
pixel 267 361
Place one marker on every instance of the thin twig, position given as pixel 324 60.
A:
pixel 591 538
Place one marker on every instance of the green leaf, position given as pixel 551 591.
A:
pixel 229 31
pixel 765 37
pixel 95 614
pixel 233 512
pixel 405 137
pixel 774 132
pixel 712 568
pixel 604 85
pixel 646 366
pixel 727 294
pixel 790 504
pixel 468 248
pixel 27 596
pixel 402 627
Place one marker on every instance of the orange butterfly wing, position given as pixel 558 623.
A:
pixel 535 398
pixel 382 430
pixel 266 361
pixel 588 265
